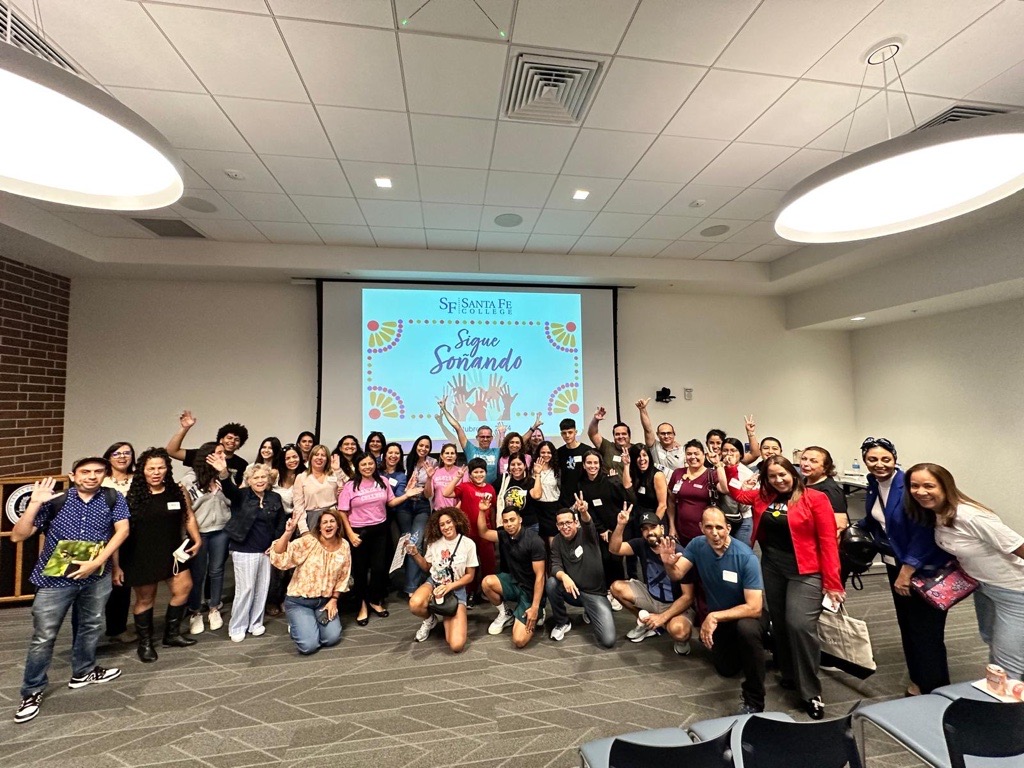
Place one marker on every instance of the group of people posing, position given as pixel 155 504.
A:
pixel 662 529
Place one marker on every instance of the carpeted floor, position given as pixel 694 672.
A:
pixel 381 700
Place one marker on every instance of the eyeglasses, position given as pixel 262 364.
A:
pixel 880 442
pixel 121 455
pixel 566 524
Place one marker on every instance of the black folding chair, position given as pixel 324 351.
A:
pixel 715 753
pixel 824 744
pixel 983 729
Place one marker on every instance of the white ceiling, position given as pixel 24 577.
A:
pixel 729 103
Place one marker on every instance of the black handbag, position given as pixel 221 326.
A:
pixel 448 606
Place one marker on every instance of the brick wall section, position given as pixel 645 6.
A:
pixel 33 366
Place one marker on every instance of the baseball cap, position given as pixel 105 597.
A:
pixel 649 518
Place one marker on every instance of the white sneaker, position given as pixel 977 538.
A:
pixel 542 617
pixel 639 633
pixel 504 618
pixel 195 624
pixel 237 638
pixel 559 632
pixel 616 605
pixel 257 631
pixel 215 619
pixel 425 628
pixel 681 647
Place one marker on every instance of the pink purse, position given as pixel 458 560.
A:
pixel 945 587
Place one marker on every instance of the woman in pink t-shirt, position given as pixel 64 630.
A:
pixel 364 503
pixel 440 477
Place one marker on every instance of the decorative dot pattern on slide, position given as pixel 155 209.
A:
pixel 383 336
pixel 385 403
pixel 561 336
pixel 565 399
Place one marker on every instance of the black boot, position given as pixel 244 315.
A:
pixel 144 628
pixel 172 628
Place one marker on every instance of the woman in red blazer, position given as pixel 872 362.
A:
pixel 796 529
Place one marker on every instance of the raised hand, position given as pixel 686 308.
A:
pixel 187 420
pixel 335 462
pixel 750 483
pixel 641 404
pixel 536 422
pixel 485 502
pixel 289 527
pixel 443 403
pixel 749 424
pixel 431 469
pixel 622 518
pixel 42 491
pixel 625 456
pixel 580 505
pixel 218 462
pixel 600 413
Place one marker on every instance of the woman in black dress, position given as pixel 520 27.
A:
pixel 161 517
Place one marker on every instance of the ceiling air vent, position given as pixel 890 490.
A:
pixel 551 89
pixel 960 112
pixel 169 228
pixel 26 38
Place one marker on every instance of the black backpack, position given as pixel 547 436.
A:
pixel 57 504
pixel 857 550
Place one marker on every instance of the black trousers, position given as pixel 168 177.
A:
pixel 117 610
pixel 922 630
pixel 738 646
pixel 370 561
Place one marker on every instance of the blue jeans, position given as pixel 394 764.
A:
pixel 211 558
pixel 309 634
pixel 746 528
pixel 598 609
pixel 50 607
pixel 1001 623
pixel 413 519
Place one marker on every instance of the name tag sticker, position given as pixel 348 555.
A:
pixel 643 491
pixel 735 483
pixel 393 481
pixel 174 505
pixel 730 576
pixel 889 560
pixel 617 458
pixel 677 486
pixel 578 552
pixel 697 486
pixel 597 502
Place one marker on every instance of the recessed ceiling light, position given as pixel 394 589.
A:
pixel 383 182
pixel 857 319
pixel 508 220
pixel 714 230
pixel 580 194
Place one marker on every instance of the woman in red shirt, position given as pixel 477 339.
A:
pixel 796 529
pixel 691 490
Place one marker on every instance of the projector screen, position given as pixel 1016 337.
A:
pixel 391 351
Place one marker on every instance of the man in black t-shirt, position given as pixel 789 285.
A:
pixel 570 460
pixel 231 437
pixel 577 577
pixel 521 580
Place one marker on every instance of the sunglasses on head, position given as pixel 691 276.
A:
pixel 878 442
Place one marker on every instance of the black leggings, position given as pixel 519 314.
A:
pixel 370 564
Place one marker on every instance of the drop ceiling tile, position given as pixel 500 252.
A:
pixel 363 14
pixel 550 243
pixel 205 128
pixel 554 222
pixel 609 154
pixel 449 76
pixel 924 25
pixel 451 216
pixel 193 180
pixel 482 18
pixel 685 249
pixel 451 239
pixel 758 233
pixel 529 190
pixel 117 43
pixel 501 241
pixel 285 232
pixel 211 166
pixel 642 196
pixel 641 95
pixel 229 231
pixel 742 164
pixel 459 142
pixel 491 212
pixel 616 224
pixel 601 191
pixel 796 168
pixel 329 210
pixel 260 206
pixel 734 226
pixel 341 234
pixel 668 227
pixel 278 128
pixel 572 25
pixel 233 54
pixel 391 213
pixel 677 159
pixel 869 122
pixel 452 185
pixel 404 184
pixel 642 247
pixel 394 237
pixel 803 112
pixel 347 66
pixel 711 198
pixel 368 135
pixel 766 253
pixel 224 208
pixel 308 176
pixel 531 148
pixel 245 6
pixel 752 204
pixel 597 246
pixel 786 37
pixel 726 103
pixel 726 252
pixel 688 31
pixel 107 224
pixel 1007 88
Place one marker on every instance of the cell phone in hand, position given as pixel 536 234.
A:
pixel 828 605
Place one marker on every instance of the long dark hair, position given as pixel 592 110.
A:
pixel 138 493
pixel 401 457
pixel 601 471
pixel 553 466
pixel 413 459
pixel 346 465
pixel 282 469
pixel 357 478
pixel 954 497
pixel 113 448
pixel 369 437
pixel 505 451
pixel 641 478
pixel 205 474
pixel 767 492
pixel 275 449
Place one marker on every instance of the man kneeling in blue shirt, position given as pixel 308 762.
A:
pixel 734 628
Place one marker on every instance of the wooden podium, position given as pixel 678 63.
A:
pixel 18 560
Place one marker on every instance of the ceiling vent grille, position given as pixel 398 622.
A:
pixel 960 112
pixel 26 38
pixel 551 89
pixel 169 228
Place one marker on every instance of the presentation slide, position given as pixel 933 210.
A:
pixel 495 356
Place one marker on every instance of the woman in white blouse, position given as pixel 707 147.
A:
pixel 988 550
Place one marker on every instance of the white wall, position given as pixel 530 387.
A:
pixel 738 357
pixel 140 352
pixel 950 389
